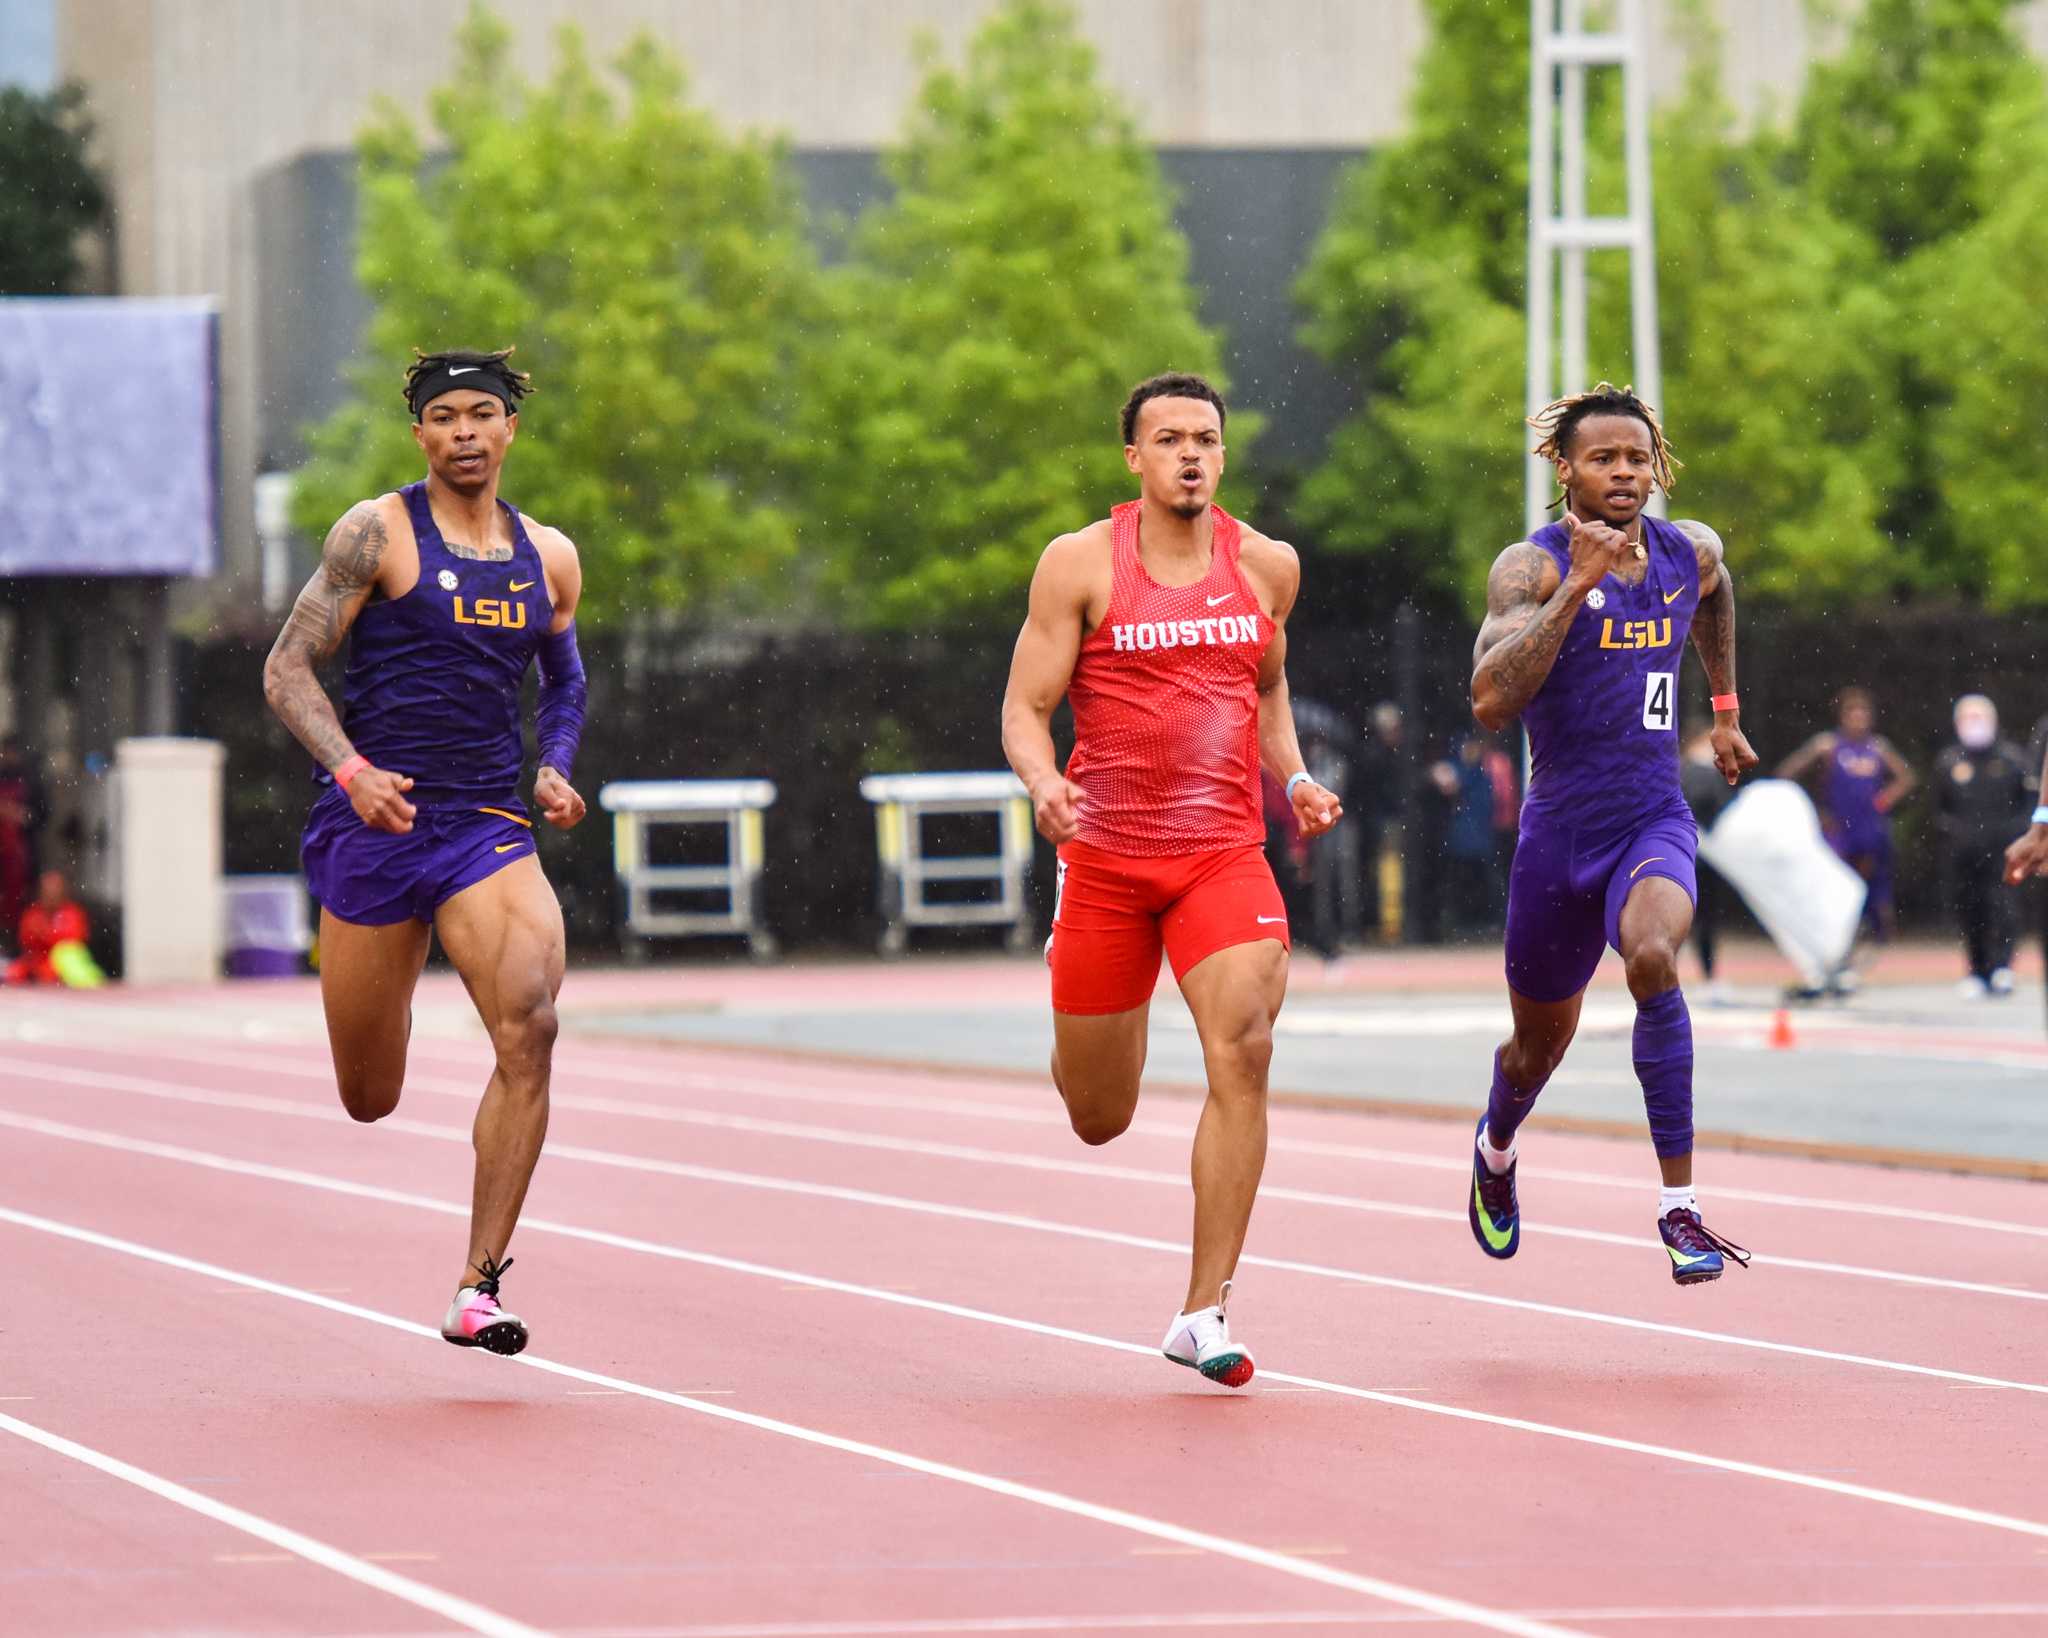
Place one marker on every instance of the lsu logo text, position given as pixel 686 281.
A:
pixel 1637 634
pixel 1150 634
pixel 498 611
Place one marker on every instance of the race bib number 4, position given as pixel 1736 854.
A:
pixel 1657 701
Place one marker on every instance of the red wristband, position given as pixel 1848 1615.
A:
pixel 349 769
pixel 1726 702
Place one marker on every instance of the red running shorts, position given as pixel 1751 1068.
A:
pixel 1114 914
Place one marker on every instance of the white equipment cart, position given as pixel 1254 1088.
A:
pixel 640 808
pixel 902 804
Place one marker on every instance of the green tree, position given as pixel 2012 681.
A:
pixel 1892 145
pixel 1889 134
pixel 1781 353
pixel 50 192
pixel 1980 335
pixel 656 278
pixel 1778 331
pixel 1416 287
pixel 995 310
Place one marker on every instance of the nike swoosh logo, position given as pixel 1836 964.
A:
pixel 1267 921
pixel 1674 597
pixel 466 369
pixel 1684 1261
pixel 522 585
pixel 1213 601
pixel 508 847
pixel 1498 1238
pixel 1656 858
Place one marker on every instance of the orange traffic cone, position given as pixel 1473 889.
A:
pixel 1781 1030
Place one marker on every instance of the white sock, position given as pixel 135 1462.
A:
pixel 1497 1160
pixel 1671 1200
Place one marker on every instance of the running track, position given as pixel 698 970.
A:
pixel 832 1350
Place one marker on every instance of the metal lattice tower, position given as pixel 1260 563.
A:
pixel 1561 52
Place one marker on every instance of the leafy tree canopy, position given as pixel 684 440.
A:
pixel 655 276
pixel 1024 275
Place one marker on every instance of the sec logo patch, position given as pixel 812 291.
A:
pixel 448 580
pixel 1596 599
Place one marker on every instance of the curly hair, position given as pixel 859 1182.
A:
pixel 1557 422
pixel 1173 384
pixel 517 383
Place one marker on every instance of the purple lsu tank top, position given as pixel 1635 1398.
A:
pixel 432 686
pixel 1856 773
pixel 1603 728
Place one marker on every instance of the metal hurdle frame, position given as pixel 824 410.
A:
pixel 901 802
pixel 639 805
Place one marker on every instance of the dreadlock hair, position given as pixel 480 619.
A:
pixel 1557 422
pixel 517 383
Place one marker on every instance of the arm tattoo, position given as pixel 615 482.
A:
pixel 312 634
pixel 1713 632
pixel 1520 641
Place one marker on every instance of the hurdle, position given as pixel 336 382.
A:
pixel 642 808
pixel 902 803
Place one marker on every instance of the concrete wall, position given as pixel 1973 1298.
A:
pixel 198 99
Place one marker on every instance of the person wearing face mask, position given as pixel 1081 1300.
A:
pixel 1980 795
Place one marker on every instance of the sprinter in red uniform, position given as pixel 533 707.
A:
pixel 1165 625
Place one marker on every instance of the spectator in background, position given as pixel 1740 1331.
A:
pixel 1507 820
pixel 1382 775
pixel 1981 796
pixel 53 934
pixel 1707 792
pixel 22 812
pixel 1470 851
pixel 1862 779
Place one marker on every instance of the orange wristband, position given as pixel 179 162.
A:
pixel 349 769
pixel 1725 702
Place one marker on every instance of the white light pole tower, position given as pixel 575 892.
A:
pixel 1561 52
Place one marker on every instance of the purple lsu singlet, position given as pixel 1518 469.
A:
pixel 1856 773
pixel 1603 728
pixel 432 686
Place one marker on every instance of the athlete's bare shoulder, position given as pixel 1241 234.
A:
pixel 560 562
pixel 1523 574
pixel 1075 562
pixel 1707 552
pixel 359 552
pixel 1272 566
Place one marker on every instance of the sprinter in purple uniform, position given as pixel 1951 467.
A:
pixel 1864 779
pixel 447 595
pixel 1584 640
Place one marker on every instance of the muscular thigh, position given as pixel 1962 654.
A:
pixel 367 977
pixel 1236 991
pixel 1554 932
pixel 504 935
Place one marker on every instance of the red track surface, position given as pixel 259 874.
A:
pixel 933 1267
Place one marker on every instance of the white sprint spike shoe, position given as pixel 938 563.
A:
pixel 1201 1341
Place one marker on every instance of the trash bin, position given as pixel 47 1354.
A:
pixel 266 928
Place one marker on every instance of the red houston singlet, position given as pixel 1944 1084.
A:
pixel 1166 705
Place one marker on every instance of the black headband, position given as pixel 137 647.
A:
pixel 456 378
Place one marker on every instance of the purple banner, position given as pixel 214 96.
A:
pixel 107 437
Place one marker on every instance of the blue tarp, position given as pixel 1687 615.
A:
pixel 108 449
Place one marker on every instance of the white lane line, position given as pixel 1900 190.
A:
pixel 846 1138
pixel 1202 1620
pixel 770 1087
pixel 867 1197
pixel 654 1248
pixel 460 1611
pixel 1302 1569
